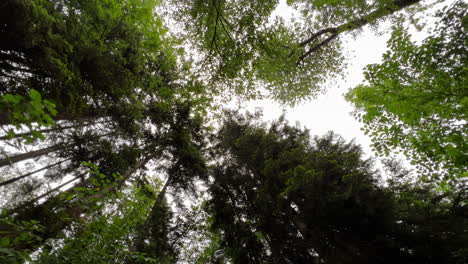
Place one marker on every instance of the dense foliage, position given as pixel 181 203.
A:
pixel 243 45
pixel 416 99
pixel 113 148
pixel 281 196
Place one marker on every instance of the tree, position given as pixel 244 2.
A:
pixel 280 196
pixel 86 59
pixel 416 99
pixel 106 74
pixel 174 144
pixel 114 91
pixel 427 214
pixel 106 236
pixel 105 89
pixel 153 236
pixel 245 48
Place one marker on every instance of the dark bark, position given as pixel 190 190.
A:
pixel 37 153
pixel 317 47
pixel 57 128
pixel 90 114
pixel 30 155
pixel 389 9
pixel 318 34
pixel 31 173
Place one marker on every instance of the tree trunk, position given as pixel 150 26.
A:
pixel 59 187
pixel 40 152
pixel 32 154
pixel 90 114
pixel 139 240
pixel 31 173
pixel 389 9
pixel 125 177
pixel 58 128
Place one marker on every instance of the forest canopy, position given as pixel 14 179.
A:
pixel 115 146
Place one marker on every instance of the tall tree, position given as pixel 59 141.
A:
pixel 106 71
pixel 280 196
pixel 416 99
pixel 106 236
pixel 428 215
pixel 175 143
pixel 87 59
pixel 153 235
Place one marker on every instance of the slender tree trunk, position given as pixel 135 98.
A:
pixel 87 115
pixel 58 128
pixel 139 240
pixel 53 200
pixel 40 152
pixel 32 154
pixel 125 177
pixel 58 188
pixel 10 181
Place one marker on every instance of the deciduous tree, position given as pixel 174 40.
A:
pixel 416 99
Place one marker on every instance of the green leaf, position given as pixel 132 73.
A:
pixel 35 95
pixel 5 241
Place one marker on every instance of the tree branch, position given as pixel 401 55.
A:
pixel 386 10
pixel 315 48
pixel 318 34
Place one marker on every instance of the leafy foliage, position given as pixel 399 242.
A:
pixel 106 235
pixel 245 49
pixel 427 214
pixel 416 99
pixel 128 169
pixel 24 232
pixel 33 112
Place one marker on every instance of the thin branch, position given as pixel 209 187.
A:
pixel 371 17
pixel 225 30
pixel 215 30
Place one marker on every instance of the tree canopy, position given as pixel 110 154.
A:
pixel 113 148
pixel 282 196
pixel 416 99
pixel 244 47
